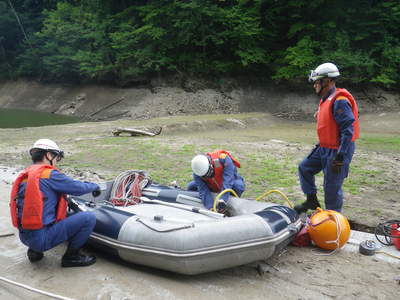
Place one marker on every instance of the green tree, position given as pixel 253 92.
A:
pixel 189 36
pixel 72 45
pixel 129 40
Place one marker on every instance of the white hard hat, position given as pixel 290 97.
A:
pixel 46 144
pixel 325 70
pixel 200 165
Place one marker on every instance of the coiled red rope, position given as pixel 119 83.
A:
pixel 127 188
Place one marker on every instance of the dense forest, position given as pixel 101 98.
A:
pixel 127 41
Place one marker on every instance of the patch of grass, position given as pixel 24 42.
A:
pixel 266 165
pixel 379 143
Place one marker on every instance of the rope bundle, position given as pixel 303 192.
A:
pixel 128 186
pixel 386 230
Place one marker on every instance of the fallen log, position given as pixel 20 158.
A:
pixel 135 131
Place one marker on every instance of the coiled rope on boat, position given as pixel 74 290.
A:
pixel 128 186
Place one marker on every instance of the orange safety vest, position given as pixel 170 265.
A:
pixel 215 183
pixel 32 213
pixel 327 128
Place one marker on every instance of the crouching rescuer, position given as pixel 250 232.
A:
pixel 39 207
pixel 215 172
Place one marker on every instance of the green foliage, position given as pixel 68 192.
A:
pixel 130 40
pixel 190 36
pixel 297 60
pixel 70 46
pixel 8 40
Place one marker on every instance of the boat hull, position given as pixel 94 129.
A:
pixel 186 241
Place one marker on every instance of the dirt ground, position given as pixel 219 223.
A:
pixel 297 273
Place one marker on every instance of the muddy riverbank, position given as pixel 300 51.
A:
pixel 166 97
pixel 269 149
pixel 268 129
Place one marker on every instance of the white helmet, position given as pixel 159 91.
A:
pixel 200 165
pixel 324 70
pixel 47 145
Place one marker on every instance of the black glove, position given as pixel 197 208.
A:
pixel 337 163
pixel 73 205
pixel 96 193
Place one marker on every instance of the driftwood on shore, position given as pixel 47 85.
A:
pixel 136 132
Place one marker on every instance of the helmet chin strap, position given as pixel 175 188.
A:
pixel 323 86
pixel 50 160
pixel 210 172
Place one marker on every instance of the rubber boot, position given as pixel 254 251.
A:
pixel 73 258
pixel 33 255
pixel 310 203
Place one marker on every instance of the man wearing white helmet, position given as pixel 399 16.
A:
pixel 337 128
pixel 38 207
pixel 214 172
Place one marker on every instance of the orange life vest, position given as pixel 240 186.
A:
pixel 327 128
pixel 32 213
pixel 215 183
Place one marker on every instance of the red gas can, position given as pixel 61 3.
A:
pixel 395 232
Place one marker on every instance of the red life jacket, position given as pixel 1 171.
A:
pixel 215 183
pixel 327 128
pixel 32 213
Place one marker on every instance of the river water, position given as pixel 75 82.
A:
pixel 15 118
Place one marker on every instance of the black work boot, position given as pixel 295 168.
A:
pixel 33 255
pixel 73 258
pixel 310 203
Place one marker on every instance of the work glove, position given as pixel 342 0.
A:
pixel 337 163
pixel 73 205
pixel 96 193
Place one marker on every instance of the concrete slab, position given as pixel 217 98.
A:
pixel 385 253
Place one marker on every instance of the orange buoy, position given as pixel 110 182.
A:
pixel 329 229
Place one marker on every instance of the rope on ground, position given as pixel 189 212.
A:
pixel 55 296
pixel 387 253
pixel 6 234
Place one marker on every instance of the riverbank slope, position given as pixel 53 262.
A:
pixel 164 97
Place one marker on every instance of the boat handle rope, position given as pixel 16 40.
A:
pixel 290 204
pixel 184 207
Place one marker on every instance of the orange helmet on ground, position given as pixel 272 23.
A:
pixel 329 229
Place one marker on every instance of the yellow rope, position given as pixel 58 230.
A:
pixel 387 253
pixel 219 196
pixel 290 204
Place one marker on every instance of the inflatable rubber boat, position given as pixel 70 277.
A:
pixel 170 229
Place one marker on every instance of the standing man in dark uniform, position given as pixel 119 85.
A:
pixel 338 128
pixel 38 207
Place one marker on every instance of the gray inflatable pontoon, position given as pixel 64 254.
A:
pixel 171 230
